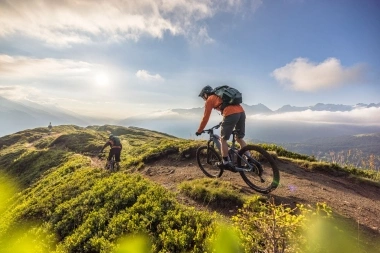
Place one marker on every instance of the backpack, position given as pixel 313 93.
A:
pixel 116 141
pixel 229 96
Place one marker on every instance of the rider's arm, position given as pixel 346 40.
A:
pixel 108 143
pixel 210 104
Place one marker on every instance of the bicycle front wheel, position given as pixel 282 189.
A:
pixel 207 159
pixel 264 176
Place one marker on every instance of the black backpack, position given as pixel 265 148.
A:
pixel 229 96
pixel 116 141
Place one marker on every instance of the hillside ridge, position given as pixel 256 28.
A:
pixel 354 200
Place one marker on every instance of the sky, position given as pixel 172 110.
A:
pixel 120 58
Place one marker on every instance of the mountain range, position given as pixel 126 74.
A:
pixel 263 124
pixel 288 124
pixel 16 116
pixel 325 107
pixel 262 109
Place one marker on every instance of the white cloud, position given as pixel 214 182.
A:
pixel 303 75
pixel 202 37
pixel 63 23
pixel 22 68
pixel 45 79
pixel 146 76
pixel 19 92
pixel 359 116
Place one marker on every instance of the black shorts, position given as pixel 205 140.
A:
pixel 231 122
pixel 114 152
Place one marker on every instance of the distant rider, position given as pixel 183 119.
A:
pixel 115 144
pixel 233 117
pixel 50 127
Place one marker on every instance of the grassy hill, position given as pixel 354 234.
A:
pixel 56 198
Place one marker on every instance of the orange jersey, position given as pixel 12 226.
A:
pixel 214 102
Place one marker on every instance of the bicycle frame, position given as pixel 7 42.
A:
pixel 243 161
pixel 214 140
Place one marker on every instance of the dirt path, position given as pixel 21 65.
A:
pixel 356 202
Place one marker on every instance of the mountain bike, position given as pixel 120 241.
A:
pixel 255 165
pixel 110 165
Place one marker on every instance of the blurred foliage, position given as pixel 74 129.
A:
pixel 62 203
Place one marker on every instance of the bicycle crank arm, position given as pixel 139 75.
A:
pixel 237 169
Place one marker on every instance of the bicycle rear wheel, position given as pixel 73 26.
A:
pixel 265 175
pixel 207 159
pixel 112 166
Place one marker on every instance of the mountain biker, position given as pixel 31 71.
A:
pixel 50 127
pixel 116 146
pixel 233 118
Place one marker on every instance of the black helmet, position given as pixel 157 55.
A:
pixel 110 137
pixel 206 90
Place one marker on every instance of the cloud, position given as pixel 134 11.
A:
pixel 360 116
pixel 22 68
pixel 47 78
pixel 18 92
pixel 146 76
pixel 303 75
pixel 201 37
pixel 64 23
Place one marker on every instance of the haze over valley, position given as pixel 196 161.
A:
pixel 288 124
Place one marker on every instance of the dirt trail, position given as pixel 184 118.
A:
pixel 354 201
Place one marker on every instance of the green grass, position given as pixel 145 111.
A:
pixel 212 192
pixel 53 200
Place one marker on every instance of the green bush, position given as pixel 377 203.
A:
pixel 212 191
pixel 90 209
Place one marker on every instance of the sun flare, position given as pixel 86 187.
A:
pixel 101 79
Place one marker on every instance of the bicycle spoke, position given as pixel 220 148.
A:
pixel 264 175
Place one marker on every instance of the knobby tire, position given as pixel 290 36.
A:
pixel 269 170
pixel 207 157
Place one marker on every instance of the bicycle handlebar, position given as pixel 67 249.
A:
pixel 212 128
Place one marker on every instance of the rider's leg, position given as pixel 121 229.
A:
pixel 242 145
pixel 224 148
pixel 110 154
pixel 241 126
pixel 241 142
pixel 226 163
pixel 117 157
pixel 227 127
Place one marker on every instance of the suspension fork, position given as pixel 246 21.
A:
pixel 216 140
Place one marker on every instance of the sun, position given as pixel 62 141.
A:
pixel 101 79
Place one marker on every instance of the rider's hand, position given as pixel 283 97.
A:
pixel 197 134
